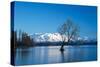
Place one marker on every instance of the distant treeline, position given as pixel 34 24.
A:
pixel 67 44
pixel 22 39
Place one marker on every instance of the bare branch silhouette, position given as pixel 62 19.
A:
pixel 68 31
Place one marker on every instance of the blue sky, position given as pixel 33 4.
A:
pixel 46 18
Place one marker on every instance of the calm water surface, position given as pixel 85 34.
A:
pixel 51 54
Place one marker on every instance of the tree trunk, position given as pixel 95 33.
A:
pixel 62 48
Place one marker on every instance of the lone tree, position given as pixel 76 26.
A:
pixel 68 31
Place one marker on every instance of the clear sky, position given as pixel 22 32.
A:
pixel 46 18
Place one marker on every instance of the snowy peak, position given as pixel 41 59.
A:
pixel 47 37
pixel 54 37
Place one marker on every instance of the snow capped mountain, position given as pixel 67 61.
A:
pixel 54 37
pixel 47 37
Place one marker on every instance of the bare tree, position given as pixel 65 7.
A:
pixel 68 31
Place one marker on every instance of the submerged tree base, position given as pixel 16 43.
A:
pixel 61 49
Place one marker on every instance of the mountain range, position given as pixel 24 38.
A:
pixel 52 37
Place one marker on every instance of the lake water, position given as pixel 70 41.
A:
pixel 51 54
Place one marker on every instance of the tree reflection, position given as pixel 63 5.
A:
pixel 62 56
pixel 24 54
